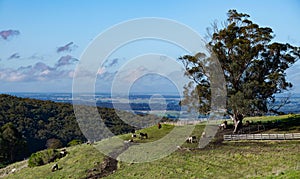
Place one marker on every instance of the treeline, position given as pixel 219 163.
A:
pixel 26 125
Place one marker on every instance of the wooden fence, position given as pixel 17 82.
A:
pixel 184 122
pixel 290 136
pixel 194 122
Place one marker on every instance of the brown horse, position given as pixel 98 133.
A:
pixel 143 135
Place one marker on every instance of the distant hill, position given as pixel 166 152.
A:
pixel 139 101
pixel 40 120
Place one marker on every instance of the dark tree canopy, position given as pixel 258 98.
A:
pixel 32 125
pixel 12 142
pixel 254 67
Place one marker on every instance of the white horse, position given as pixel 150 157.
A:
pixel 191 139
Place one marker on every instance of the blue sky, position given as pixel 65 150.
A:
pixel 42 41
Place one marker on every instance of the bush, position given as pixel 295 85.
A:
pixel 43 157
pixel 2 165
pixel 74 142
pixel 53 144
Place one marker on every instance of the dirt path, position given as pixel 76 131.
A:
pixel 109 164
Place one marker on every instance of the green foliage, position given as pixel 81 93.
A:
pixel 35 160
pixel 2 150
pixel 43 157
pixel 253 66
pixel 11 143
pixel 74 142
pixel 37 121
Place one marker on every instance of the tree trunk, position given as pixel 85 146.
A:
pixel 236 126
pixel 11 154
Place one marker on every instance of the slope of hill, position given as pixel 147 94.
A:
pixel 243 159
pixel 36 121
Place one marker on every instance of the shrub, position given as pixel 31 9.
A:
pixel 74 142
pixel 2 165
pixel 54 143
pixel 43 157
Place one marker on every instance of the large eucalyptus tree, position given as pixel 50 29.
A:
pixel 253 65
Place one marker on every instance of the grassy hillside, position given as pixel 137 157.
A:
pixel 231 160
pixel 74 165
pixel 37 121
pixel 243 159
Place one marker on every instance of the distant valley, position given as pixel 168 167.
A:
pixel 163 105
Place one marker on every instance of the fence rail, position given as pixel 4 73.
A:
pixel 289 136
pixel 184 122
pixel 195 122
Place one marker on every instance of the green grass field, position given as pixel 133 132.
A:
pixel 242 159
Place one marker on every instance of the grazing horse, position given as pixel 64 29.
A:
pixel 13 170
pixel 144 135
pixel 90 142
pixel 223 125
pixel 54 167
pixel 158 125
pixel 128 141
pixel 133 135
pixel 191 139
pixel 63 152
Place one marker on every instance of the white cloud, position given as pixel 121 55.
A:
pixel 39 71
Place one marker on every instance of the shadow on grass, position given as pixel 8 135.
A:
pixel 290 123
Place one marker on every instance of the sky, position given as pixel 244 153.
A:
pixel 42 42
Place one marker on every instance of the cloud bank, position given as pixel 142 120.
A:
pixel 66 60
pixel 40 71
pixel 6 34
